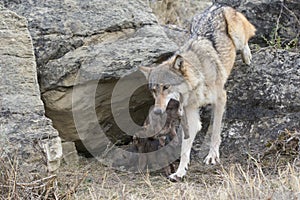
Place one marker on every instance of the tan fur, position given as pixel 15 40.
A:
pixel 240 30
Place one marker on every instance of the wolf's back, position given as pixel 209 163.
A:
pixel 227 30
pixel 208 23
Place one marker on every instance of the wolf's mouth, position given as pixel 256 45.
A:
pixel 174 96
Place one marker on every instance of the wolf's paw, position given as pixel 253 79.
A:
pixel 246 55
pixel 247 59
pixel 212 157
pixel 178 176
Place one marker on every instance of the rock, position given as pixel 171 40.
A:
pixel 271 83
pixel 53 151
pixel 176 16
pixel 24 129
pixel 179 35
pixel 83 48
pixel 263 100
pixel 277 21
pixel 70 154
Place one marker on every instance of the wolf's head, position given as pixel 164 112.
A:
pixel 166 81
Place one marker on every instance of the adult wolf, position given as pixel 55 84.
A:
pixel 198 71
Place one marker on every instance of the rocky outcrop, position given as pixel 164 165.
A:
pixel 24 129
pixel 88 52
pixel 263 100
pixel 91 45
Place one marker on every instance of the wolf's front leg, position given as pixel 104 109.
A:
pixel 194 124
pixel 218 109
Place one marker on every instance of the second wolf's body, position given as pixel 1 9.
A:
pixel 198 72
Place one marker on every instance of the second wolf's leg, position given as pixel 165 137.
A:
pixel 194 124
pixel 218 110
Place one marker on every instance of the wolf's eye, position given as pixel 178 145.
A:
pixel 165 87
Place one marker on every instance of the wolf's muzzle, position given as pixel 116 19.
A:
pixel 158 111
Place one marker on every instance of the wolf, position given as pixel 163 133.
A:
pixel 198 72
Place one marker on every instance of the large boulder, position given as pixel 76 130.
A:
pixel 91 45
pixel 263 100
pixel 25 132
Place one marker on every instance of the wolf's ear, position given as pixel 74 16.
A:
pixel 178 63
pixel 146 71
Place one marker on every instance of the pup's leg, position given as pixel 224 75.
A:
pixel 218 110
pixel 194 126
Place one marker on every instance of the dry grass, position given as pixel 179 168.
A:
pixel 91 180
pixel 231 182
pixel 177 12
pixel 18 184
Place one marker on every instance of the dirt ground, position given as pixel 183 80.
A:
pixel 275 175
pixel 250 179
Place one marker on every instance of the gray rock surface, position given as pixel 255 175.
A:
pixel 24 129
pixel 70 154
pixel 263 101
pixel 100 41
pixel 265 97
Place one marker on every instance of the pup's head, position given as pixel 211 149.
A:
pixel 166 81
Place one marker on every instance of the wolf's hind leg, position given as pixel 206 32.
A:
pixel 246 54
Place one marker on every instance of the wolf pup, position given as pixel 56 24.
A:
pixel 198 72
pixel 168 122
pixel 156 133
